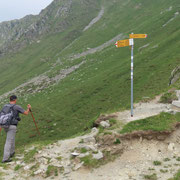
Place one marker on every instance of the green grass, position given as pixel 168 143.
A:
pixel 151 177
pixel 117 141
pixel 166 159
pixel 176 177
pixel 52 170
pixel 17 167
pixel 83 150
pixel 163 170
pixel 29 156
pixel 157 163
pixel 89 161
pixel 168 97
pixel 161 122
pixel 102 84
pixel 35 167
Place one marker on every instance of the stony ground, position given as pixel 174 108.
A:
pixel 137 158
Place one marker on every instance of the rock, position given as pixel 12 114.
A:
pixel 88 147
pixel 104 124
pixel 94 132
pixel 171 147
pixel 26 168
pixel 78 166
pixel 39 171
pixel 43 160
pixel 83 155
pixel 89 140
pixel 117 151
pixel 75 154
pixel 54 161
pixel 20 157
pixel 98 156
pixel 67 170
pixel 161 138
pixel 176 103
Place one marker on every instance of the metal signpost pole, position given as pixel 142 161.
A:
pixel 132 64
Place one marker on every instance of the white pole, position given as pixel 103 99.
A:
pixel 132 66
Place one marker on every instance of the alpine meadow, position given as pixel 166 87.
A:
pixel 65 64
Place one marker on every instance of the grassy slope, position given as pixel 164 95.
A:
pixel 161 122
pixel 102 84
pixel 29 62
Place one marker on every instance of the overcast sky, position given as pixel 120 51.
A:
pixel 15 9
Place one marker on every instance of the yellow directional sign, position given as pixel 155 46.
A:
pixel 122 43
pixel 131 36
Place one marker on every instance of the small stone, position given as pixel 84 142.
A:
pixel 104 124
pixel 26 168
pixel 75 154
pixel 98 156
pixel 83 155
pixel 78 166
pixel 161 138
pixel 94 130
pixel 171 147
pixel 67 170
pixel 88 147
pixel 39 171
pixel 89 140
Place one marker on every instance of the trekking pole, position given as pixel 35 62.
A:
pixel 34 121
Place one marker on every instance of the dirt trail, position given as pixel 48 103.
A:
pixel 137 161
pixel 95 20
pixel 143 110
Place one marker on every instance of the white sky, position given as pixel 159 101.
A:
pixel 15 9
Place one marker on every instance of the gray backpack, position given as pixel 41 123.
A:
pixel 6 115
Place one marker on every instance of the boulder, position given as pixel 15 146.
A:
pixel 176 103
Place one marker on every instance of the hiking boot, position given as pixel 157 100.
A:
pixel 7 161
pixel 12 155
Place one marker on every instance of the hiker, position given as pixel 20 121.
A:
pixel 9 148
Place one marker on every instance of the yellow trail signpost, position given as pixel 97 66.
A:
pixel 132 36
pixel 130 42
pixel 122 43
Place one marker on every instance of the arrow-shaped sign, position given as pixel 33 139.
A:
pixel 132 36
pixel 124 43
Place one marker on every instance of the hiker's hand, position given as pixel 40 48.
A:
pixel 29 106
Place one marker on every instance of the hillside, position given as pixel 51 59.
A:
pixel 58 17
pixel 71 74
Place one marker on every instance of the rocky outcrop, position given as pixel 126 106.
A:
pixel 175 75
pixel 57 17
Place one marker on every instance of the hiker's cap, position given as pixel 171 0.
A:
pixel 13 98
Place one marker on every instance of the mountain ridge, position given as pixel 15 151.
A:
pixel 55 18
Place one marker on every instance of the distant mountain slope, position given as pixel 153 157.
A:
pixel 57 17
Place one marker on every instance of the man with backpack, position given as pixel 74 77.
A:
pixel 9 118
